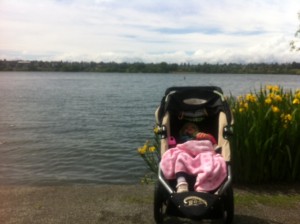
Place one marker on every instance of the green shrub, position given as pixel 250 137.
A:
pixel 265 146
pixel 150 152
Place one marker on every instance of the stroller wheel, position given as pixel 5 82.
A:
pixel 159 203
pixel 228 206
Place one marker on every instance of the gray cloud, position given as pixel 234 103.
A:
pixel 150 31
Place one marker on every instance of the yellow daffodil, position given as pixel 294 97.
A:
pixel 296 101
pixel 275 109
pixel 142 150
pixel 269 87
pixel 273 89
pixel 278 98
pixel 286 118
pixel 272 96
pixel 152 149
pixel 268 100
pixel 251 98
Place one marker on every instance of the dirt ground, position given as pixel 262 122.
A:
pixel 84 204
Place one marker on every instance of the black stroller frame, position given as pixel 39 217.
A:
pixel 206 106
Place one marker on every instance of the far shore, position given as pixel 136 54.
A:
pixel 140 67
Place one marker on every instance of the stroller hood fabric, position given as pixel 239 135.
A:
pixel 196 158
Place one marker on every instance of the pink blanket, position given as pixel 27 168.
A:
pixel 196 158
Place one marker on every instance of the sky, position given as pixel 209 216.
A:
pixel 149 31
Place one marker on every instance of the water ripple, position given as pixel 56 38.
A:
pixel 64 128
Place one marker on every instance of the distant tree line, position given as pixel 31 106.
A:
pixel 140 67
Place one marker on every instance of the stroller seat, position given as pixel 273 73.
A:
pixel 207 108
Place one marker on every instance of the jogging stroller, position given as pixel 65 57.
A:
pixel 207 107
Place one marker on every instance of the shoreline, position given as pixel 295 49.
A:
pixel 134 204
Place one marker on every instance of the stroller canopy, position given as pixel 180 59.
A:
pixel 210 98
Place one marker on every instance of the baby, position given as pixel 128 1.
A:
pixel 190 131
pixel 195 157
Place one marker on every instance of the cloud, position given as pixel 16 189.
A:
pixel 178 31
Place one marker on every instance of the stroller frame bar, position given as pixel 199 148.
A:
pixel 163 182
pixel 227 183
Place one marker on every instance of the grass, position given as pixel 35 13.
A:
pixel 272 200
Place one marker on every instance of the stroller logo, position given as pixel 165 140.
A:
pixel 194 201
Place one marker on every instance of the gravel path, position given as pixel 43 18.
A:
pixel 131 204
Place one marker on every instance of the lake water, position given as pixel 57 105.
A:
pixel 84 128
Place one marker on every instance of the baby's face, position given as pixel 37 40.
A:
pixel 190 129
